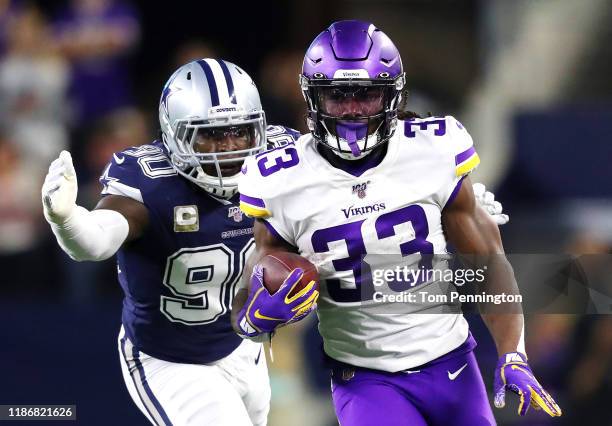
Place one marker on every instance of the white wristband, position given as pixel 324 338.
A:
pixel 521 344
pixel 95 235
pixel 260 338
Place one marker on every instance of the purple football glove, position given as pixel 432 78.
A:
pixel 513 373
pixel 263 312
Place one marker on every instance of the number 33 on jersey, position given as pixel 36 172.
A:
pixel 335 218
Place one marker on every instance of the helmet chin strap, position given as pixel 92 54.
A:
pixel 352 132
pixel 226 191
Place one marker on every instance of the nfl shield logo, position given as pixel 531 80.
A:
pixel 360 189
pixel 348 374
pixel 235 213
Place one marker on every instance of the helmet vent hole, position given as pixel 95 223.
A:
pixel 384 74
pixel 239 71
pixel 386 61
pixel 316 61
pixel 318 75
pixel 189 75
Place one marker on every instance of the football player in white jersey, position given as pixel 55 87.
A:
pixel 365 182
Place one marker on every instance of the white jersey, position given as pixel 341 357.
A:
pixel 336 219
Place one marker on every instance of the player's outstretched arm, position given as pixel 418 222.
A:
pixel 477 240
pixel 82 234
pixel 255 312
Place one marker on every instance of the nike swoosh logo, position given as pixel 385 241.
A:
pixel 258 355
pixel 118 160
pixel 453 376
pixel 259 315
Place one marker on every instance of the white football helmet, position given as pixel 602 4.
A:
pixel 213 97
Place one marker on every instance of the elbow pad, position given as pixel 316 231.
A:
pixel 91 235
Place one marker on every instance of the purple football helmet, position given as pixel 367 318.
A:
pixel 352 78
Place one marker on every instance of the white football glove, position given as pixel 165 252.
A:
pixel 59 192
pixel 487 201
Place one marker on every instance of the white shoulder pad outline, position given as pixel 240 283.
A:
pixel 112 186
pixel 152 160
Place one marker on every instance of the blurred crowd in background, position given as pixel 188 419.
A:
pixel 529 79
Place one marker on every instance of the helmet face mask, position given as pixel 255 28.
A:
pixel 351 79
pixel 211 122
pixel 229 145
pixel 199 161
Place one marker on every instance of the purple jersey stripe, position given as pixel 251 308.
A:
pixel 275 232
pixel 460 158
pixel 454 193
pixel 257 202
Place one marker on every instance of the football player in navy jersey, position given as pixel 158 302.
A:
pixel 170 211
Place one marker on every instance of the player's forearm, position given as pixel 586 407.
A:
pixel 507 331
pixel 237 305
pixel 82 234
pixel 504 321
pixel 95 235
pixel 242 293
pixel 478 241
pixel 240 300
pixel 265 243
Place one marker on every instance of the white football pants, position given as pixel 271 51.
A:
pixel 233 391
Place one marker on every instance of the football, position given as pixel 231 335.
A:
pixel 278 265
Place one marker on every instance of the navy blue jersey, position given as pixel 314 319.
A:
pixel 280 135
pixel 180 276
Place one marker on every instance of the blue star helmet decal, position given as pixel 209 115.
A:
pixel 167 92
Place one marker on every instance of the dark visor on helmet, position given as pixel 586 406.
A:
pixel 351 101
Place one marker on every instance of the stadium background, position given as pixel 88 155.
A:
pixel 529 79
